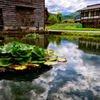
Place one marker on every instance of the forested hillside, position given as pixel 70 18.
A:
pixel 52 14
pixel 75 15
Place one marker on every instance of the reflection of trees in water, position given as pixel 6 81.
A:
pixel 90 45
pixel 11 90
pixel 57 39
pixel 53 39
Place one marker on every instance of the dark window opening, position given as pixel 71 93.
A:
pixel 92 13
pixel 82 14
pixel 26 0
pixel 97 13
pixel 1 17
pixel 25 12
pixel 86 14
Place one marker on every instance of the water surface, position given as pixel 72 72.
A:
pixel 76 79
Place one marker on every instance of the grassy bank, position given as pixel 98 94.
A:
pixel 75 27
pixel 81 34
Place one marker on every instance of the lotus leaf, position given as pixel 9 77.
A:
pixel 25 61
pixel 42 59
pixel 44 52
pixel 20 67
pixel 37 62
pixel 5 62
pixel 61 60
pixel 20 53
pixel 40 52
pixel 37 65
pixel 37 51
pixel 53 58
pixel 1 49
pixel 18 59
pixel 13 66
pixel 50 52
pixel 51 63
pixel 7 48
pixel 59 55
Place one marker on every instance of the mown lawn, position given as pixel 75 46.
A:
pixel 77 27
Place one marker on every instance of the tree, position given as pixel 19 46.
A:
pixel 59 17
pixel 52 20
pixel 71 21
pixel 62 22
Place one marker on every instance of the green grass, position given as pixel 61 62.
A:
pixel 68 25
pixel 81 34
pixel 75 27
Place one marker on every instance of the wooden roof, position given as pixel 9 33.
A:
pixel 90 7
pixel 78 20
pixel 26 7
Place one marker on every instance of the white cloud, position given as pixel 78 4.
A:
pixel 55 6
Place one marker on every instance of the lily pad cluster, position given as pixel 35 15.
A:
pixel 33 35
pixel 15 53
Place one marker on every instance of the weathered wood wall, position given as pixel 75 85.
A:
pixel 12 17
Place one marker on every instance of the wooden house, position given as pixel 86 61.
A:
pixel 23 13
pixel 90 16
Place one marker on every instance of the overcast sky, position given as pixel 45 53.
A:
pixel 55 6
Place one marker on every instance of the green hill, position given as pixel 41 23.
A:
pixel 75 15
pixel 52 14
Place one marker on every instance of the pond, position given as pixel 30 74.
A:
pixel 76 79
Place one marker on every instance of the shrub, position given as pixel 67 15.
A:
pixel 33 35
pixel 52 20
pixel 63 22
pixel 19 28
pixel 80 34
pixel 71 21
pixel 86 34
pixel 95 35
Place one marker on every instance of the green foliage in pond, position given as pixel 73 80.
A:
pixel 33 35
pixel 19 53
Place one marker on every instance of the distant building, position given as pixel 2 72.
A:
pixel 47 15
pixel 78 21
pixel 66 20
pixel 24 13
pixel 90 16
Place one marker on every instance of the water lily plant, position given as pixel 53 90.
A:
pixel 33 35
pixel 20 56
